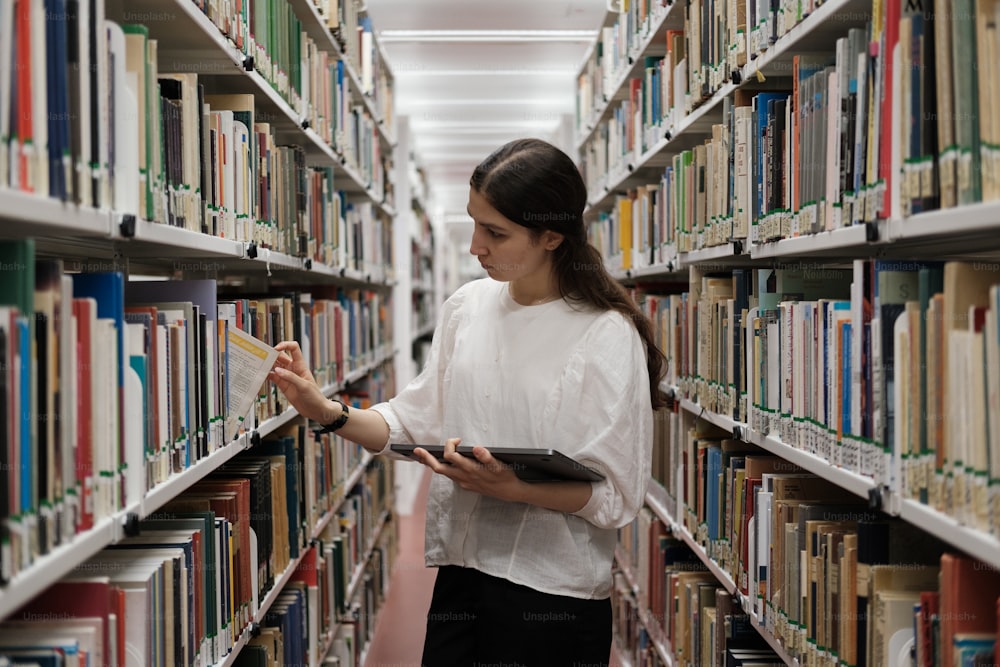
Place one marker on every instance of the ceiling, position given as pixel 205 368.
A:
pixel 466 95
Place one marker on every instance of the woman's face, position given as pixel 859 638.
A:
pixel 506 249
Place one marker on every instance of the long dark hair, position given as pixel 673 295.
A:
pixel 536 185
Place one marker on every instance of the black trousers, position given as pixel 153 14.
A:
pixel 477 620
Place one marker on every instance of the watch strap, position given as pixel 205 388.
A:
pixel 340 421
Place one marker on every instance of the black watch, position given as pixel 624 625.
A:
pixel 340 421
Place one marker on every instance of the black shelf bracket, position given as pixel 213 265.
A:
pixel 255 439
pixel 736 77
pixel 668 135
pixel 131 524
pixel 248 63
pixel 875 498
pixel 305 124
pixel 252 250
pixel 871 232
pixel 308 264
pixel 127 226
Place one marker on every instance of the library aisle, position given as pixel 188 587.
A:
pixel 399 635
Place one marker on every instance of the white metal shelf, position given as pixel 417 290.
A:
pixel 655 28
pixel 316 27
pixel 51 567
pixel 213 53
pixel 712 254
pixel 279 584
pixel 56 564
pixel 843 242
pixel 771 640
pixel 653 628
pixel 48 216
pixel 974 542
pixel 969 229
pixel 814 27
pixel 657 500
pixel 698 122
pixel 359 569
pixel 850 481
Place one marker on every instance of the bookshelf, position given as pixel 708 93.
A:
pixel 739 230
pixel 246 146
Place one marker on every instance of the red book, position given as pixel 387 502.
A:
pixel 893 9
pixel 968 598
pixel 85 312
pixel 94 597
pixel 925 636
pixel 25 129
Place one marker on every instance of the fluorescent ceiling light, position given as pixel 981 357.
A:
pixel 418 70
pixel 386 36
pixel 480 125
pixel 481 101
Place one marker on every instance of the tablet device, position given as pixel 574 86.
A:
pixel 531 465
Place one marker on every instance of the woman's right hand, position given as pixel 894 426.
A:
pixel 292 376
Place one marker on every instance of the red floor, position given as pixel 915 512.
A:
pixel 399 635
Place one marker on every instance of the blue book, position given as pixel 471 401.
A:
pixel 760 106
pixel 845 378
pixel 713 470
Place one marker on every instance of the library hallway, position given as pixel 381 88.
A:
pixel 399 635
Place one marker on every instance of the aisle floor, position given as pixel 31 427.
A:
pixel 399 635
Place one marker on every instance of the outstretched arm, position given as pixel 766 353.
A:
pixel 291 375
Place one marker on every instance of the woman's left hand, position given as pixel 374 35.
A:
pixel 484 474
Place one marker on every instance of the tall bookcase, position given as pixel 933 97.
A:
pixel 803 196
pixel 230 165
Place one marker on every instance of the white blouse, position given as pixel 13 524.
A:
pixel 547 376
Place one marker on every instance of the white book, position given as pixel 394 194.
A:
pixel 762 516
pixel 957 401
pixel 38 152
pixel 104 371
pixel 992 335
pixel 161 450
pixel 242 181
pixel 100 142
pixel 228 168
pixel 773 399
pixel 124 130
pixel 787 362
pixel 211 361
pixel 750 362
pixel 977 461
pixel 134 412
pixel 860 134
pixel 900 397
pixel 857 337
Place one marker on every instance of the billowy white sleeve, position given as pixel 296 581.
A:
pixel 605 414
pixel 416 414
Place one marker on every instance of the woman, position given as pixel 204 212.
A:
pixel 549 351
